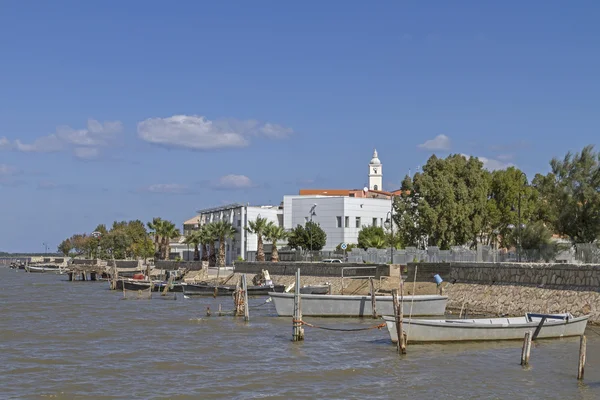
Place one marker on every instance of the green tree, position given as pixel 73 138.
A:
pixel 259 227
pixel 372 237
pixel 349 247
pixel 274 234
pixel 194 238
pixel 144 248
pixel 116 242
pixel 155 227
pixel 406 215
pixel 212 237
pixel 577 195
pixel 223 230
pixel 310 237
pixel 448 202
pixel 65 247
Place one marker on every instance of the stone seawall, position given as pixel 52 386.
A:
pixel 517 288
pixel 314 268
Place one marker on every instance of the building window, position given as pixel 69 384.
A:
pixel 347 222
pixel 239 222
pixel 375 187
pixel 339 222
pixel 358 222
pixel 374 221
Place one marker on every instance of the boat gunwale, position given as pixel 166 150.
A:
pixel 306 296
pixel 474 325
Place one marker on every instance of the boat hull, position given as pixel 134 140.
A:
pixel 317 305
pixel 423 331
pixel 44 269
pixel 209 290
pixel 144 285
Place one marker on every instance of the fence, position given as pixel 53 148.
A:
pixel 583 253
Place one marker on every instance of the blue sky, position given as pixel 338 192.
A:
pixel 119 110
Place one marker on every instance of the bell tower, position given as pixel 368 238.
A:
pixel 375 173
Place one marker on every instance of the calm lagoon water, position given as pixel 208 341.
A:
pixel 79 340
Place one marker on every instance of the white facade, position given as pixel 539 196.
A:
pixel 340 217
pixel 239 215
pixel 375 173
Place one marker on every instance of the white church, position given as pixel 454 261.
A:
pixel 342 213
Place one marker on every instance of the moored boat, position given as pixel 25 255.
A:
pixel 139 284
pixel 328 305
pixel 40 269
pixel 453 330
pixel 315 289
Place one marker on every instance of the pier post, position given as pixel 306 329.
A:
pixel 298 331
pixel 245 290
pixel 526 351
pixel 402 338
pixel 92 276
pixel 373 301
pixel 582 348
pixel 397 318
pixel 71 276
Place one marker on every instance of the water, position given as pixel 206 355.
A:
pixel 79 340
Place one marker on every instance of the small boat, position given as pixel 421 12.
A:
pixel 452 330
pixel 315 289
pixel 139 284
pixel 209 290
pixel 40 269
pixel 331 305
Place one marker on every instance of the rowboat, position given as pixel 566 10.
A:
pixel 452 330
pixel 138 284
pixel 315 289
pixel 31 268
pixel 224 290
pixel 329 305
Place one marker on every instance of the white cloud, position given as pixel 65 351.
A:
pixel 505 157
pixel 233 182
pixel 199 133
pixel 5 143
pixel 440 142
pixel 166 188
pixel 86 153
pixel 8 170
pixel 95 135
pixel 491 164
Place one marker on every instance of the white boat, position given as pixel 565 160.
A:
pixel 453 330
pixel 329 305
pixel 40 269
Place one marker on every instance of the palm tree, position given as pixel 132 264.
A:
pixel 205 240
pixel 211 237
pixel 168 231
pixel 223 230
pixel 258 227
pixel 194 238
pixel 274 234
pixel 155 227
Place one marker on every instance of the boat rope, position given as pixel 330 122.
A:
pixel 379 326
pixel 411 302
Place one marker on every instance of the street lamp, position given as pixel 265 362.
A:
pixel 389 224
pixel 312 213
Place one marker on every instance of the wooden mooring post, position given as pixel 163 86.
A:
pixel 526 351
pixel 373 301
pixel 245 291
pixel 402 339
pixel 298 330
pixel 582 349
pixel 398 318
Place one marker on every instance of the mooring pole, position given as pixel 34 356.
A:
pixel 397 317
pixel 245 289
pixel 298 331
pixel 373 301
pixel 581 366
pixel 402 339
pixel 526 351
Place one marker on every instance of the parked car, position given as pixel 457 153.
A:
pixel 332 260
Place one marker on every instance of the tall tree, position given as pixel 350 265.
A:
pixel 168 232
pixel 223 230
pixel 274 234
pixel 65 247
pixel 258 227
pixel 155 227
pixel 194 238
pixel 577 195
pixel 212 237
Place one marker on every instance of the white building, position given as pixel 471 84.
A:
pixel 340 217
pixel 375 173
pixel 238 215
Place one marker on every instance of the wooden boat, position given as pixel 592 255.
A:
pixel 40 269
pixel 138 284
pixel 452 330
pixel 315 289
pixel 227 290
pixel 329 305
